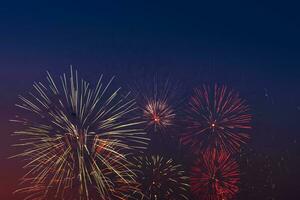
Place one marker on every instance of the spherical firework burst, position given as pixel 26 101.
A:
pixel 155 104
pixel 161 178
pixel 217 118
pixel 75 139
pixel 158 114
pixel 215 176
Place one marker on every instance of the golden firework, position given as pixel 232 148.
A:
pixel 162 178
pixel 75 139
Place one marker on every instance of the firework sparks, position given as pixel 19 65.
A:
pixel 76 139
pixel 158 114
pixel 217 118
pixel 155 103
pixel 215 176
pixel 161 178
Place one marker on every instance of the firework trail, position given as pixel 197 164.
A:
pixel 215 176
pixel 161 178
pixel 75 139
pixel 217 118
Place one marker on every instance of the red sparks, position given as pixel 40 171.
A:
pixel 215 176
pixel 156 119
pixel 217 118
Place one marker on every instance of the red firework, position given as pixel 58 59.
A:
pixel 215 176
pixel 217 118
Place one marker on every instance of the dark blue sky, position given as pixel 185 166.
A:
pixel 234 39
pixel 248 34
pixel 253 46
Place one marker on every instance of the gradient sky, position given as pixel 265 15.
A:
pixel 253 46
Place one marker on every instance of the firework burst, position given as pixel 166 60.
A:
pixel 155 104
pixel 161 178
pixel 75 139
pixel 217 118
pixel 158 114
pixel 215 176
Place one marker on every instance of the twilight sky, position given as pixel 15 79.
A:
pixel 252 46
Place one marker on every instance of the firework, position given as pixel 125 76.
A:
pixel 158 114
pixel 217 118
pixel 161 178
pixel 75 139
pixel 155 105
pixel 215 176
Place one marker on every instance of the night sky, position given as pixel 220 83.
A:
pixel 251 46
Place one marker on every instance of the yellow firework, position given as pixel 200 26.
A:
pixel 162 178
pixel 75 139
